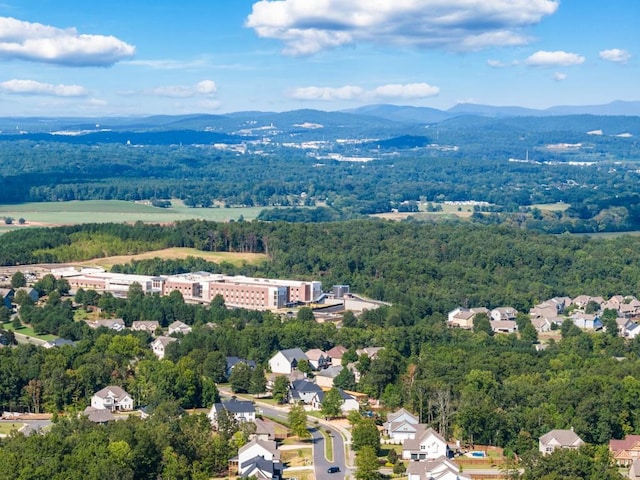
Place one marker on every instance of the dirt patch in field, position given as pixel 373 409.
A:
pixel 235 258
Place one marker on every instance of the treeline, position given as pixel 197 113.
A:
pixel 170 444
pixel 423 268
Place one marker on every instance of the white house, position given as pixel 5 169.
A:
pixel 242 411
pixel 260 459
pixel 179 327
pixel 440 468
pixel 159 345
pixel 427 445
pixel 349 402
pixel 558 439
pixel 112 398
pixel 306 392
pixel 286 361
pixel 401 425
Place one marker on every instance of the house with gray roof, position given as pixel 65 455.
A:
pixel 242 411
pixel 559 439
pixel 286 361
pixel 112 398
pixel 440 468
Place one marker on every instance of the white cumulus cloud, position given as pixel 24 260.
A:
pixel 347 92
pixel 615 55
pixel 309 26
pixel 203 88
pixel 408 91
pixel 554 59
pixel 32 87
pixel 351 92
pixel 46 44
pixel 559 76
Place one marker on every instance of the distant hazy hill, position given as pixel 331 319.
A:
pixel 403 113
pixel 433 115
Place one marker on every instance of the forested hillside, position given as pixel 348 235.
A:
pixel 425 268
pixel 354 164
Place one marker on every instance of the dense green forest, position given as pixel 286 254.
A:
pixel 422 267
pixel 465 158
pixel 470 385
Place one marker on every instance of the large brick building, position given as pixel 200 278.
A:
pixel 237 291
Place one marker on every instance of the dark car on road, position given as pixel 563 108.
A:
pixel 333 469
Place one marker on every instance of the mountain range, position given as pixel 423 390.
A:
pixel 434 115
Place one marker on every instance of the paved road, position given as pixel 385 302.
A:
pixel 32 426
pixel 320 462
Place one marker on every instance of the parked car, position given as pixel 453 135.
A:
pixel 333 469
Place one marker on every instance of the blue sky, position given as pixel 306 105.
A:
pixel 141 57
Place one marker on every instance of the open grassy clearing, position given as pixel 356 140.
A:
pixel 28 331
pixel 7 428
pixel 301 457
pixel 106 211
pixel 551 207
pixel 234 258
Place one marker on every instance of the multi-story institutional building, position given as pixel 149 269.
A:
pixel 237 291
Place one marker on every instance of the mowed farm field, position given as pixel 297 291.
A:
pixel 106 211
pixel 234 258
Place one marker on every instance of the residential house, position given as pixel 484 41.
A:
pixel 116 324
pixel 371 352
pixel 558 439
pixel 98 415
pixel 503 313
pixel 286 361
pixel 233 361
pixel 318 359
pixel 32 293
pixel 112 398
pixel 265 429
pixel 544 310
pixel 401 425
pixel 179 327
pixel 504 326
pixel 57 343
pixel 439 468
pixel 624 452
pixel 427 445
pixel 335 354
pixel 349 402
pixel 242 411
pixel 630 309
pixel 6 297
pixel 461 318
pixel 544 324
pixel 159 345
pixel 149 326
pixel 259 459
pixel 325 378
pixel 581 301
pixel 614 303
pixel 634 471
pixel 586 321
pixel 306 392
pixel 633 331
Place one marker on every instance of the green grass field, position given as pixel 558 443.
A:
pixel 28 331
pixel 7 428
pixel 105 211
